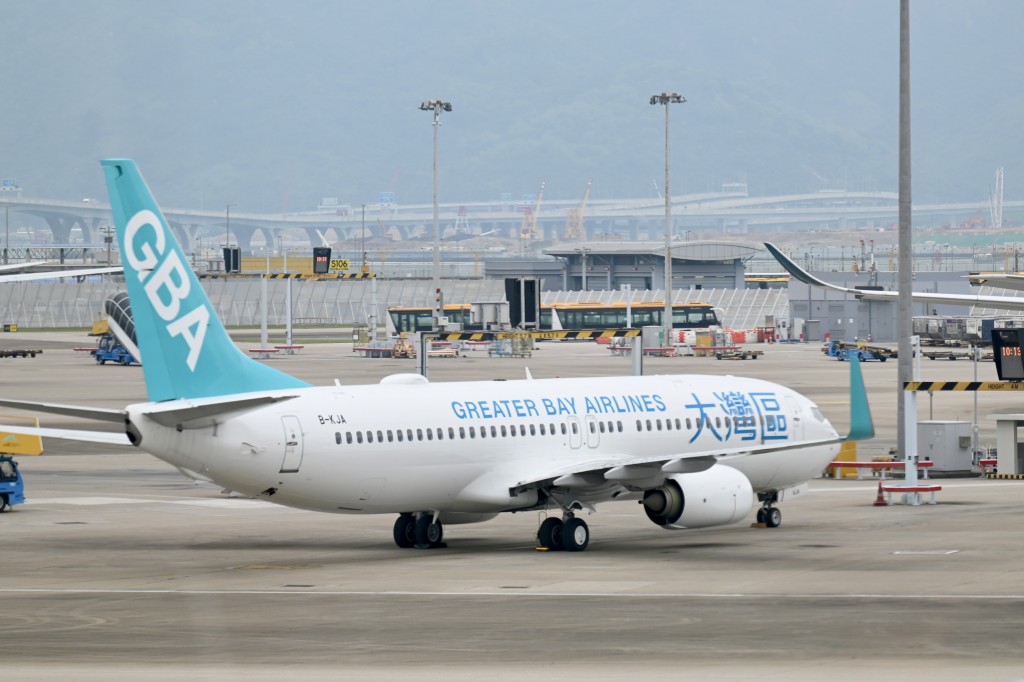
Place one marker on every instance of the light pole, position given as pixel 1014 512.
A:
pixel 108 239
pixel 665 99
pixel 436 106
pixel 7 230
pixel 227 233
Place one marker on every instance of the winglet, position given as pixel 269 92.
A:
pixel 793 269
pixel 861 425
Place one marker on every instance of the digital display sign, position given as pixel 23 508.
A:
pixel 1006 348
pixel 321 260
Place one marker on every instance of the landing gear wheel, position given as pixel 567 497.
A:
pixel 760 515
pixel 428 533
pixel 550 534
pixel 575 535
pixel 772 517
pixel 405 531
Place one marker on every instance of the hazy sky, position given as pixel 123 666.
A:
pixel 274 105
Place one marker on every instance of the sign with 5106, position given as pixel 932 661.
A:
pixel 340 264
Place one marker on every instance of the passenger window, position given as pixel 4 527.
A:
pixel 668 424
pixel 593 427
pixel 337 437
pixel 419 434
pixel 348 437
pixel 494 432
pixel 639 425
pixel 542 430
pixel 564 430
pixel 408 435
pixel 575 428
pixel 380 436
pixel 369 436
pixel 483 431
pixel 451 433
pixel 472 432
pixel 533 430
pixel 600 426
pixel 430 434
pixel 649 425
pixel 502 430
pixel 399 434
pixel 462 432
pixel 657 424
pixel 359 436
pixel 512 430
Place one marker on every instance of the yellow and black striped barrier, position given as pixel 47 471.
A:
pixel 553 335
pixel 1006 477
pixel 936 386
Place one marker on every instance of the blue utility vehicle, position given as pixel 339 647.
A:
pixel 12 488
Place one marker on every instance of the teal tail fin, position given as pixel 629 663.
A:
pixel 186 352
pixel 861 425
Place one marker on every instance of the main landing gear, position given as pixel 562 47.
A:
pixel 570 534
pixel 769 514
pixel 419 531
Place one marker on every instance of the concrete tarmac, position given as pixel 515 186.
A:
pixel 119 568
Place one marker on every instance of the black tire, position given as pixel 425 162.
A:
pixel 405 531
pixel 428 533
pixel 549 535
pixel 760 515
pixel 575 535
pixel 773 517
pixel 3 503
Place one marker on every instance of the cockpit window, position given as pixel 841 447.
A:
pixel 818 415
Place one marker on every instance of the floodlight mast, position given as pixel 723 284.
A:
pixel 664 99
pixel 436 106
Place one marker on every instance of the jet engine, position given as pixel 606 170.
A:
pixel 716 497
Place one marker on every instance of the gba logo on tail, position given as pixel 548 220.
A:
pixel 166 281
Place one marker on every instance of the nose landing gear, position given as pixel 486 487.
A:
pixel 769 514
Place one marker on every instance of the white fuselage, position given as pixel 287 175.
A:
pixel 466 446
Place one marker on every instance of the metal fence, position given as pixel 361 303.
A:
pixel 345 302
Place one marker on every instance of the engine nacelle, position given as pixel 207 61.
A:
pixel 716 497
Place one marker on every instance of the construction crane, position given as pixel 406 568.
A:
pixel 574 225
pixel 528 230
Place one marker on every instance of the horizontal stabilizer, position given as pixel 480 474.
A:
pixel 197 413
pixel 107 437
pixel 93 413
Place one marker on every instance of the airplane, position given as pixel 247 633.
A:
pixel 695 451
pixel 999 302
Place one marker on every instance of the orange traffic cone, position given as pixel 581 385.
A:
pixel 880 500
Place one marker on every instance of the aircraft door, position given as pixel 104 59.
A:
pixel 795 417
pixel 292 444
pixel 592 433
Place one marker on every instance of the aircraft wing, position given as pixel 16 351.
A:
pixel 30 276
pixel 999 280
pixel 1000 302
pixel 626 469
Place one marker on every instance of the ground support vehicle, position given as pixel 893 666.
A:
pixel 12 488
pixel 109 349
